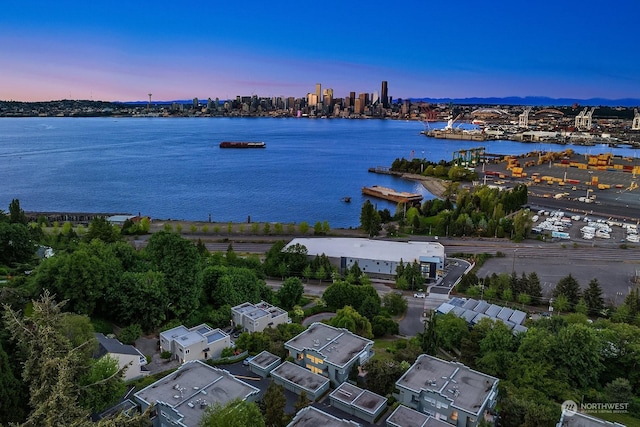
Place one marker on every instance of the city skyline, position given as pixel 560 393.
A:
pixel 79 50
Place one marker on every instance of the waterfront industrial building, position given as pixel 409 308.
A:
pixel 377 258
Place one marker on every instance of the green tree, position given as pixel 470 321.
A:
pixel 179 261
pixel 451 330
pixel 139 298
pixel 381 375
pixel 619 390
pixel 317 229
pixel 303 228
pixel 593 297
pixel 349 319
pixel 274 402
pixel 237 413
pixel 101 229
pixel 103 385
pixel 16 245
pixel 394 303
pixel 370 221
pixel 290 293
pixel 12 392
pixel 54 365
pixel 579 354
pixel 524 299
pixel 569 287
pixel 561 303
pixel 16 214
pixel 302 401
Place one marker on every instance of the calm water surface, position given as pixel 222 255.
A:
pixel 173 167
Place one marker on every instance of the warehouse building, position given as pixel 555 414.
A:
pixel 377 258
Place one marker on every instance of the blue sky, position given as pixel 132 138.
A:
pixel 123 50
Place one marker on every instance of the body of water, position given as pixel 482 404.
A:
pixel 173 167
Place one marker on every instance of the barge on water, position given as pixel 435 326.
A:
pixel 242 144
pixel 391 194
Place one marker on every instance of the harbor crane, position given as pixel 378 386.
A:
pixel 584 119
pixel 451 121
pixel 523 119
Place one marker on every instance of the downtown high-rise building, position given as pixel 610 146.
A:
pixel 319 92
pixel 384 94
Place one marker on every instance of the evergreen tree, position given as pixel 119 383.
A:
pixel 274 402
pixel 593 297
pixel 370 221
pixel 569 287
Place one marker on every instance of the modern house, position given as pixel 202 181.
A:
pixel 197 343
pixel 127 355
pixel 329 351
pixel 407 417
pixel 377 258
pixel 181 398
pixel 258 317
pixel 297 379
pixel 447 391
pixel 364 404
pixel 313 417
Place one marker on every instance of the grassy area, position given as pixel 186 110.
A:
pixel 625 419
pixel 380 348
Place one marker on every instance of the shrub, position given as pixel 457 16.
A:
pixel 166 355
pixel 130 334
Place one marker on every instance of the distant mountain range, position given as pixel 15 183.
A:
pixel 534 101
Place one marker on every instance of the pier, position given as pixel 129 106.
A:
pixel 391 194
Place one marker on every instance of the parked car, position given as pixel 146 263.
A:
pixel 419 295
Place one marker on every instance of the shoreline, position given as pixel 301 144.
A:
pixel 435 186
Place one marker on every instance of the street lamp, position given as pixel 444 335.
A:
pixel 513 265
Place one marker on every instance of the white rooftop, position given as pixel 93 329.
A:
pixel 338 247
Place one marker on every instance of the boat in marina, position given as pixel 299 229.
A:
pixel 242 144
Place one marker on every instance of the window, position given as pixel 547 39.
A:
pixel 314 369
pixel 315 360
pixel 454 416
pixel 187 351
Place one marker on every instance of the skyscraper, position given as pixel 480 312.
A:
pixel 318 92
pixel 384 94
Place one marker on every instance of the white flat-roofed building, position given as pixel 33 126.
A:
pixel 197 343
pixel 182 397
pixel 329 351
pixel 258 317
pixel 447 391
pixel 377 257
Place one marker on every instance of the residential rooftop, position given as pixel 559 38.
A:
pixel 465 388
pixel 113 346
pixel 265 359
pixel 407 417
pixel 474 311
pixel 313 417
pixel 193 387
pixel 337 346
pixel 300 376
pixel 355 396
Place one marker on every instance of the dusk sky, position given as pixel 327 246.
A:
pixel 123 50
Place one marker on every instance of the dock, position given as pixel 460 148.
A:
pixel 391 194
